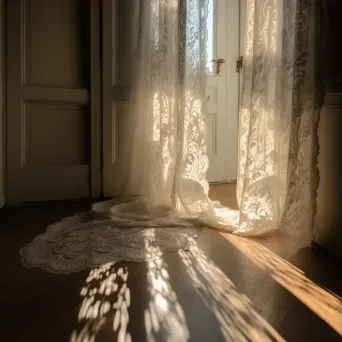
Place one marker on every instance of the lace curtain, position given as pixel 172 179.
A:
pixel 281 94
pixel 166 193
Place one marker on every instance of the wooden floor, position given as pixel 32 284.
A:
pixel 226 289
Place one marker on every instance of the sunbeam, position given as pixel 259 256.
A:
pixel 323 303
pixel 164 316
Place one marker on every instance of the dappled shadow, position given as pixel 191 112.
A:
pixel 164 316
pixel 106 296
pixel 109 309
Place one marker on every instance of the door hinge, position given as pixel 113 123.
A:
pixel 239 64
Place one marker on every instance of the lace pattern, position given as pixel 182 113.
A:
pixel 278 175
pixel 165 163
pixel 80 242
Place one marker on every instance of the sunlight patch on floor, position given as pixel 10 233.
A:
pixel 323 303
pixel 164 316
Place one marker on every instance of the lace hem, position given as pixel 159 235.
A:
pixel 82 241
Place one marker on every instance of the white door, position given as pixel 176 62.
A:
pixel 53 103
pixel 222 89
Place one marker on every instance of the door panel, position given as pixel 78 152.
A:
pixel 48 108
pixel 55 40
pixel 215 92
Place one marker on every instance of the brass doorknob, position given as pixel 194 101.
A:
pixel 218 62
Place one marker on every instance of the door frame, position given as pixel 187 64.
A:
pixel 230 40
pixel 2 104
pixel 116 89
pixel 232 95
pixel 95 177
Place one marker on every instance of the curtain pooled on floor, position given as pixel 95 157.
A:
pixel 277 175
pixel 165 165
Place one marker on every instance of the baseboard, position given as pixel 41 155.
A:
pixel 48 203
pixel 317 246
pixel 333 100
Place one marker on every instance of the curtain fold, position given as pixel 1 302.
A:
pixel 279 116
pixel 277 175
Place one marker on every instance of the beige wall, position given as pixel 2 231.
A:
pixel 328 222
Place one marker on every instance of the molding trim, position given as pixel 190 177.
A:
pixel 333 85
pixel 333 100
pixel 115 132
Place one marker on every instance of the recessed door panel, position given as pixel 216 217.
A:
pixel 49 92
